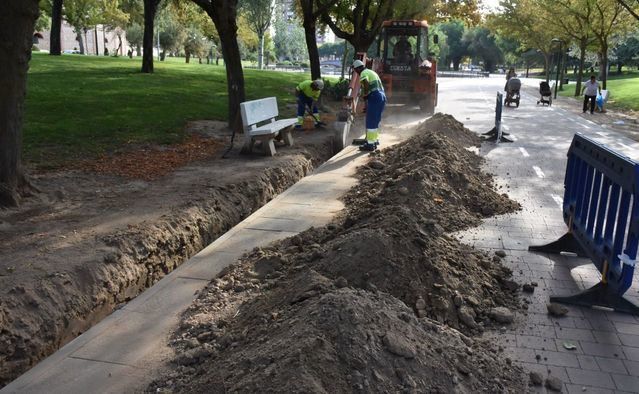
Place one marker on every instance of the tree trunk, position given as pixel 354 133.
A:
pixel 97 49
pixel 119 50
pixel 162 56
pixel 234 73
pixel 311 45
pixel 619 66
pixel 224 17
pixel 187 55
pixel 582 62
pixel 86 43
pixel 150 8
pixel 55 43
pixel 17 20
pixel 137 50
pixel 260 52
pixel 78 38
pixel 603 68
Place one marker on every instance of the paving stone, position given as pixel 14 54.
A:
pixel 631 353
pixel 611 365
pixel 608 337
pixel 574 333
pixel 579 389
pixel 535 342
pixel 588 362
pixel 632 367
pixel 626 382
pixel 590 378
pixel 602 350
pixel 629 340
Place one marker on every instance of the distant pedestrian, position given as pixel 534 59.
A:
pixel 590 90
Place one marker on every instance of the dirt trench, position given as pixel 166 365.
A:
pixel 93 242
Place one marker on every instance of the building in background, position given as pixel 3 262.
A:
pixel 70 43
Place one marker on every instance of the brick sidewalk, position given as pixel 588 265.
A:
pixel 531 170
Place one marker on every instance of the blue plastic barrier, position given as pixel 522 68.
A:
pixel 496 134
pixel 601 210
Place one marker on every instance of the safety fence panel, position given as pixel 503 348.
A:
pixel 600 209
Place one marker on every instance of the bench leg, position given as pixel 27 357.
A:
pixel 287 136
pixel 268 147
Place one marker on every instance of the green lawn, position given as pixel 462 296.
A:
pixel 84 105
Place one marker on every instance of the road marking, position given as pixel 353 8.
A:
pixel 584 126
pixel 539 172
pixel 524 152
pixel 505 127
pixel 602 134
pixel 558 200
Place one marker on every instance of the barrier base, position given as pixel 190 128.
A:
pixel 599 296
pixel 567 243
pixel 494 135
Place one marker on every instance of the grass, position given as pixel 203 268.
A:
pixel 81 106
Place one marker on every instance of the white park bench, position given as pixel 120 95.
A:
pixel 264 110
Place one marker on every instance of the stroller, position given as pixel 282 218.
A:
pixel 512 91
pixel 546 93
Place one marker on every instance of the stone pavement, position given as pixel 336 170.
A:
pixel 531 171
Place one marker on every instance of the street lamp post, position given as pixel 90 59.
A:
pixel 557 40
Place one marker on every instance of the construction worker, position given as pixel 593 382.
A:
pixel 308 93
pixel 372 90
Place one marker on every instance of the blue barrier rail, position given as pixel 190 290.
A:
pixel 602 213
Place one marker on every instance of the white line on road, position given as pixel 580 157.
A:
pixel 524 152
pixel 584 126
pixel 505 127
pixel 558 200
pixel 539 172
pixel 602 134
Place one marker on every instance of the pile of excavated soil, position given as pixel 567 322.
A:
pixel 92 242
pixel 380 300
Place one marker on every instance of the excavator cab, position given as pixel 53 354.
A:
pixel 405 64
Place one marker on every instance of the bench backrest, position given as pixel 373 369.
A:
pixel 601 209
pixel 256 111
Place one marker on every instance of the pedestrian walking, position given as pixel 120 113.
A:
pixel 590 90
pixel 308 93
pixel 371 90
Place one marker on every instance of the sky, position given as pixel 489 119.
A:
pixel 492 4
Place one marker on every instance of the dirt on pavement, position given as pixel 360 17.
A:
pixel 92 240
pixel 380 300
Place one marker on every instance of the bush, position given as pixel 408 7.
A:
pixel 336 90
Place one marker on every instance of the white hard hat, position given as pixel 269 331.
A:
pixel 358 63
pixel 319 84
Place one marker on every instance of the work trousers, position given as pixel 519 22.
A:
pixel 592 99
pixel 375 108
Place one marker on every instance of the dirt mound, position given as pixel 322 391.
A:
pixel 329 310
pixel 320 338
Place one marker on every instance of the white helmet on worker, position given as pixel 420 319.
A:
pixel 319 84
pixel 358 63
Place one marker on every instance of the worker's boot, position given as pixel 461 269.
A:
pixel 367 147
pixel 300 123
pixel 371 140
